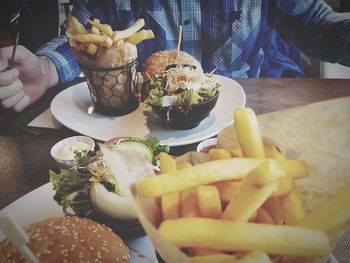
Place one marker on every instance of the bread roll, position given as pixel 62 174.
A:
pixel 69 239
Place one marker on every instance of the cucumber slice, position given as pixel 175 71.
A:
pixel 137 145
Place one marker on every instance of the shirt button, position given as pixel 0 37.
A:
pixel 186 22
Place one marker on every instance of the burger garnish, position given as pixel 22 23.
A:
pixel 176 79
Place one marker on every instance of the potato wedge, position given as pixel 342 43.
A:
pixel 233 236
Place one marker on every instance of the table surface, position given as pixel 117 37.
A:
pixel 24 154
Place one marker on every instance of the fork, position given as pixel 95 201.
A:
pixel 14 23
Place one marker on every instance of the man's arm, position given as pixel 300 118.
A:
pixel 314 27
pixel 61 55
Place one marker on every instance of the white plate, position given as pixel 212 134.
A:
pixel 30 208
pixel 71 105
pixel 39 205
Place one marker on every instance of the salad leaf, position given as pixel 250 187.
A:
pixel 72 191
pixel 156 146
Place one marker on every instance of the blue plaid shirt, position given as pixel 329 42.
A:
pixel 238 37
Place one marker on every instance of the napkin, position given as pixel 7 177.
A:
pixel 45 120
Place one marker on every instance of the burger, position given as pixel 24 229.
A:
pixel 69 239
pixel 176 79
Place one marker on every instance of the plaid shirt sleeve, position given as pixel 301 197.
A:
pixel 314 27
pixel 62 56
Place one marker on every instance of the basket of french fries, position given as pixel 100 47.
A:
pixel 108 60
pixel 236 204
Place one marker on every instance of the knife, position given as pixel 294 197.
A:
pixel 14 25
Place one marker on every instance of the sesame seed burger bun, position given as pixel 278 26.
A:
pixel 158 61
pixel 69 239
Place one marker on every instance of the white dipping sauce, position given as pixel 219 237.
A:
pixel 67 151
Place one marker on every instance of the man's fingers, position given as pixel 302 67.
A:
pixel 8 76
pixel 12 101
pixel 4 64
pixel 10 90
pixel 22 104
pixel 21 54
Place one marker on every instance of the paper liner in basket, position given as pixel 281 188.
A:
pixel 318 133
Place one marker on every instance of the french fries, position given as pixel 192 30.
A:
pixel 205 173
pixel 293 209
pixel 102 35
pixel 228 190
pixel 171 202
pixel 255 257
pixel 242 204
pixel 209 201
pixel 139 23
pixel 140 36
pixel 237 236
pixel 219 154
pixel 218 258
pixel 248 133
pixel 255 189
pixel 103 27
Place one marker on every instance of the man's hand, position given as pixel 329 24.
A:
pixel 27 81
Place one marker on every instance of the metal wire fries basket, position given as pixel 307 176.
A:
pixel 113 90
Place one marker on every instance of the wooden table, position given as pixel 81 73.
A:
pixel 25 159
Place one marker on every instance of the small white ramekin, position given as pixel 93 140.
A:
pixel 206 143
pixel 63 163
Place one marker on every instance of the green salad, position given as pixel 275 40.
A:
pixel 181 85
pixel 72 186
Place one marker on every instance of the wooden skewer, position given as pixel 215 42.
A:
pixel 17 236
pixel 179 41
